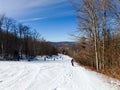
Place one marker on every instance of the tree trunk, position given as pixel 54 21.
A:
pixel 103 34
pixel 96 51
pixel 2 50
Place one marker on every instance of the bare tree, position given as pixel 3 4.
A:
pixel 99 21
pixel 7 26
pixel 2 17
pixel 89 22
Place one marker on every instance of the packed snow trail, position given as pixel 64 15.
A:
pixel 50 75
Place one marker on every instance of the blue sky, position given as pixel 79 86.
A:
pixel 55 20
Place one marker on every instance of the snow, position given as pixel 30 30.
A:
pixel 56 73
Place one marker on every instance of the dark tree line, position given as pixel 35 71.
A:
pixel 18 39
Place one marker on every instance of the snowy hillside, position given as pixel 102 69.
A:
pixel 56 73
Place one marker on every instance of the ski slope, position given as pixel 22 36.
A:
pixel 51 75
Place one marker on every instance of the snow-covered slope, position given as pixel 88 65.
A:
pixel 50 75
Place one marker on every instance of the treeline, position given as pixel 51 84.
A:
pixel 20 40
pixel 99 47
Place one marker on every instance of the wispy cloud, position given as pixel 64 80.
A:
pixel 31 19
pixel 11 7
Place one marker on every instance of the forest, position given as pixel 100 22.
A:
pixel 98 42
pixel 18 40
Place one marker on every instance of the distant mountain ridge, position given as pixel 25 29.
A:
pixel 63 43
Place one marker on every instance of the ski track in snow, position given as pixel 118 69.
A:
pixel 51 75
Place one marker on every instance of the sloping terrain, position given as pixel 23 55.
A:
pixel 56 73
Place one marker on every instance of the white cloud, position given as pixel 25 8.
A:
pixel 16 7
pixel 31 19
